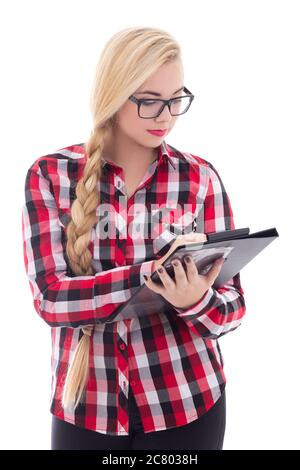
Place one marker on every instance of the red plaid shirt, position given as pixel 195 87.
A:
pixel 174 366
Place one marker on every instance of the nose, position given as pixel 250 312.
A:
pixel 165 115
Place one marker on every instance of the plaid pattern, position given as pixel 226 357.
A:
pixel 173 366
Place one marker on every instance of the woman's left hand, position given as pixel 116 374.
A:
pixel 188 287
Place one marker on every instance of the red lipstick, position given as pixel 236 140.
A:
pixel 157 132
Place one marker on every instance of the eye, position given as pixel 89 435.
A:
pixel 148 103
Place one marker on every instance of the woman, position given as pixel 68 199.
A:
pixel 155 382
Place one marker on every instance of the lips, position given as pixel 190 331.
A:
pixel 157 132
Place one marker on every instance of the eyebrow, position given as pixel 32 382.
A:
pixel 155 93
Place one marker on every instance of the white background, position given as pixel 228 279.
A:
pixel 241 60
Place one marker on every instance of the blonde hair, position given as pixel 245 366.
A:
pixel 129 57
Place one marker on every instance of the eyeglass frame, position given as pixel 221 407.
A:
pixel 168 103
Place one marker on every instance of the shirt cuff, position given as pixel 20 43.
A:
pixel 196 309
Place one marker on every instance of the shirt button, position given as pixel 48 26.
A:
pixel 122 346
pixel 132 383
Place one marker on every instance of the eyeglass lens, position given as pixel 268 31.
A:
pixel 151 108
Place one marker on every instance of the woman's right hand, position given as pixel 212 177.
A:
pixel 187 238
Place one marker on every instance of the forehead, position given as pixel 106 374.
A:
pixel 168 78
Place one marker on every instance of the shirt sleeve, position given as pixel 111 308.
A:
pixel 61 300
pixel 221 310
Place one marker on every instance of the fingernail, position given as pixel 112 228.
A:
pixel 160 270
pixel 188 259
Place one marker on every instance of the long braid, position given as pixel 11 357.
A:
pixel 83 213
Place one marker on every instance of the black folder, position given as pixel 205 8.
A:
pixel 237 246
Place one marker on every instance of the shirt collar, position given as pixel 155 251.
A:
pixel 165 152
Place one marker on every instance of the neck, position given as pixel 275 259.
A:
pixel 127 153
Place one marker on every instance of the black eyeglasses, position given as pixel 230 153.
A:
pixel 150 108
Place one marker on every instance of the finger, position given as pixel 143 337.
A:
pixel 192 237
pixel 214 271
pixel 202 237
pixel 180 275
pixel 192 271
pixel 198 237
pixel 165 278
pixel 153 286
